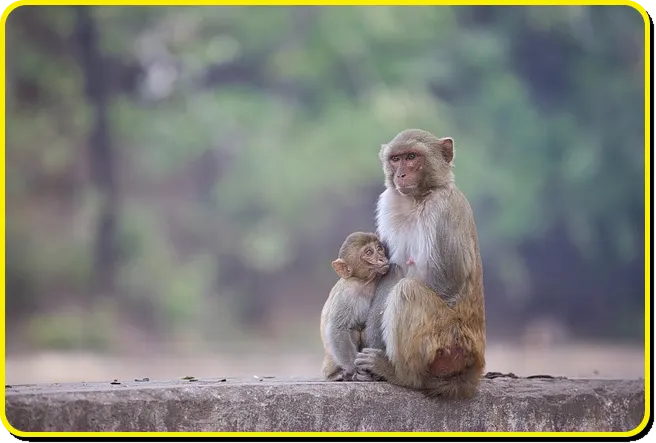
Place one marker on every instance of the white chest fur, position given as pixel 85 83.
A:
pixel 403 224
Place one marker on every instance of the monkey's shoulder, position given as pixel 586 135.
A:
pixel 352 291
pixel 450 207
pixel 454 196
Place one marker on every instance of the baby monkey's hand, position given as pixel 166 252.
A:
pixel 410 262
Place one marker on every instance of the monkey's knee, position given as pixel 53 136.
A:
pixel 404 300
pixel 408 290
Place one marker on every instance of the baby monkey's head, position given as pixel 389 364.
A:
pixel 362 256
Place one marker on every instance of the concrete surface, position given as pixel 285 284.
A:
pixel 268 404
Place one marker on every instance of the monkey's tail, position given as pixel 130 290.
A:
pixel 461 385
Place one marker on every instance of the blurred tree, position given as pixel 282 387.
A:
pixel 101 155
pixel 243 144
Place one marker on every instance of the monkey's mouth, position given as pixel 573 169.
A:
pixel 406 189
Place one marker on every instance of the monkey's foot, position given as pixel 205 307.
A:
pixel 335 377
pixel 348 375
pixel 374 361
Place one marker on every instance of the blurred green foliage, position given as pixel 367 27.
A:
pixel 246 143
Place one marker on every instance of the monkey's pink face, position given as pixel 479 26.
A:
pixel 407 169
pixel 374 256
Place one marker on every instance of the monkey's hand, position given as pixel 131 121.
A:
pixel 374 361
pixel 410 262
pixel 362 375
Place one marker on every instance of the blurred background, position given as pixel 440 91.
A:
pixel 179 179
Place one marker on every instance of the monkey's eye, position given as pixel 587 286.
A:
pixel 379 248
pixel 369 251
pixel 411 156
pixel 395 158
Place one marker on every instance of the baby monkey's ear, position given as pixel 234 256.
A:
pixel 342 269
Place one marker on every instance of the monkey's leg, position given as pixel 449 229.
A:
pixel 410 323
pixel 426 346
pixel 342 349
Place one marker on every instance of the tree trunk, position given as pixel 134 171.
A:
pixel 101 155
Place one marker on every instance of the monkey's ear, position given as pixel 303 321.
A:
pixel 342 269
pixel 447 148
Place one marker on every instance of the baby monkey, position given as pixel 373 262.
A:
pixel 361 262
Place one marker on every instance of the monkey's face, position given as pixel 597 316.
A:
pixel 416 161
pixel 407 169
pixel 362 256
pixel 373 257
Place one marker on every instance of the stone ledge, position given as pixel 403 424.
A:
pixel 310 405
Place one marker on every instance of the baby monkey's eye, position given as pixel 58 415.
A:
pixel 369 251
pixel 411 156
pixel 379 248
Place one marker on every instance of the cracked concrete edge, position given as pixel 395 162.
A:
pixel 291 405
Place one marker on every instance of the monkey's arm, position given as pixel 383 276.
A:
pixel 453 261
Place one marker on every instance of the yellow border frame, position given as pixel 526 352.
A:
pixel 647 62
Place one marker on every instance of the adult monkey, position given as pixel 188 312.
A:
pixel 426 326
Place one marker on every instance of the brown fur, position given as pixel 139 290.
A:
pixel 426 327
pixel 360 263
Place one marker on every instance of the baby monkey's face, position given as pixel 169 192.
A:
pixel 362 256
pixel 373 257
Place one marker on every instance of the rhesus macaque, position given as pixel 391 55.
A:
pixel 361 262
pixel 426 325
